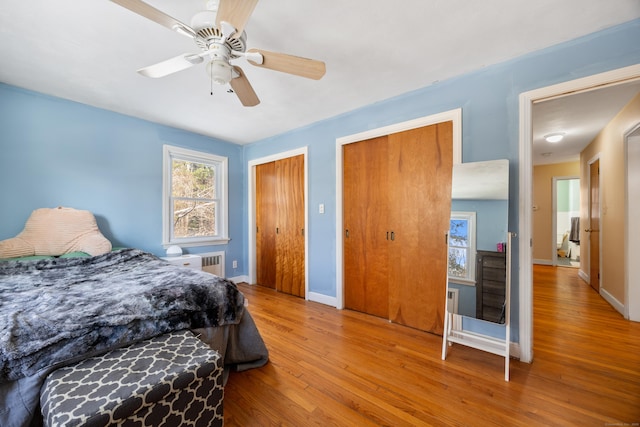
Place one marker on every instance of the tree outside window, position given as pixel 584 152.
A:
pixel 462 246
pixel 195 198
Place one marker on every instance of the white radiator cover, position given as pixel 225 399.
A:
pixel 452 300
pixel 213 262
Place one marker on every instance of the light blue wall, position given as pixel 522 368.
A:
pixel 491 220
pixel 466 299
pixel 55 152
pixel 489 102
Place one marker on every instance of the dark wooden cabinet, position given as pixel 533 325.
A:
pixel 491 275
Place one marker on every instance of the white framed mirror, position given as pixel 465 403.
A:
pixel 479 256
pixel 477 239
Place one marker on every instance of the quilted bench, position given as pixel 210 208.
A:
pixel 171 380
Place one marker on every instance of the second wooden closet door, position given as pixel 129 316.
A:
pixel 290 225
pixel 280 253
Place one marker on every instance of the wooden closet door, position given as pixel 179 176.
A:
pixel 419 195
pixel 365 223
pixel 290 255
pixel 266 224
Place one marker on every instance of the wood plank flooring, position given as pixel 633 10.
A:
pixel 333 367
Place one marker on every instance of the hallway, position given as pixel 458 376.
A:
pixel 581 339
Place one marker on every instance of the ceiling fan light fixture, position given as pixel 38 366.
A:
pixel 554 137
pixel 220 71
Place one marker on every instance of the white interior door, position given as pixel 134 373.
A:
pixel 633 225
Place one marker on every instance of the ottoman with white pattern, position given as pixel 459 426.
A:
pixel 171 380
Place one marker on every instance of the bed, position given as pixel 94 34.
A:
pixel 55 311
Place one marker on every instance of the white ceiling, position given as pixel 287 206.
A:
pixel 88 51
pixel 481 180
pixel 580 117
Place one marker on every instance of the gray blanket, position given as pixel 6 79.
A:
pixel 57 311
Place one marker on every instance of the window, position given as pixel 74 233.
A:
pixel 194 198
pixel 462 247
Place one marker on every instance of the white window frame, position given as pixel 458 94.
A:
pixel 220 163
pixel 470 217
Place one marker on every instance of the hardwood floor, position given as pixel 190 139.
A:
pixel 343 368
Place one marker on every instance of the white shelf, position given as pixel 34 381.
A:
pixel 481 342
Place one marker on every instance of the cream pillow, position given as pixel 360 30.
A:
pixel 55 232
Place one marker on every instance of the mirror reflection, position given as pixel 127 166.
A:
pixel 477 240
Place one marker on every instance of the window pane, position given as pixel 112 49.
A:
pixel 459 232
pixel 193 180
pixel 193 218
pixel 458 265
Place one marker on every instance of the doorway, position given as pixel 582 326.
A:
pixel 527 100
pixel 566 222
pixel 280 227
pixel 252 235
pixel 593 232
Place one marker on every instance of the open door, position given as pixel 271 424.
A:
pixel 594 225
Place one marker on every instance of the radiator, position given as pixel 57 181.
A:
pixel 452 300
pixel 452 307
pixel 213 263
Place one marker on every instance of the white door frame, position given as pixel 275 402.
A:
pixel 525 205
pixel 251 173
pixel 632 240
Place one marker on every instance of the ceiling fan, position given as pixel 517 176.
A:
pixel 219 32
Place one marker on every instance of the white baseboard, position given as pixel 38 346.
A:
pixel 612 300
pixel 239 279
pixel 322 299
pixel 542 261
pixel 584 276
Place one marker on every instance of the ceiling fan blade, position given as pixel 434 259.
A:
pixel 243 89
pixel 150 12
pixel 172 65
pixel 304 67
pixel 236 12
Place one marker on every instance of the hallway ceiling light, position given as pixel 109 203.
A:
pixel 554 137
